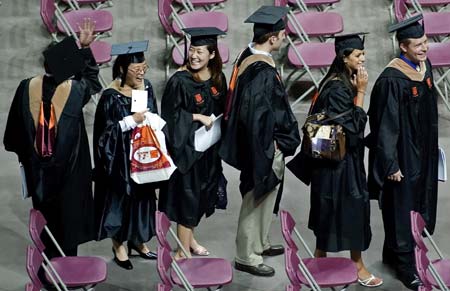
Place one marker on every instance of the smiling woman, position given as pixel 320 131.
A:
pixel 125 210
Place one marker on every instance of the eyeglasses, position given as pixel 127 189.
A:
pixel 137 70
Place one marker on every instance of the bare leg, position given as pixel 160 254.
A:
pixel 121 252
pixel 320 254
pixel 363 273
pixel 185 235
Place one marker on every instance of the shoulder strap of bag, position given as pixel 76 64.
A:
pixel 338 116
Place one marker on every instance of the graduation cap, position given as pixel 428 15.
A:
pixel 64 59
pixel 267 19
pixel 203 35
pixel 135 50
pixel 409 28
pixel 349 41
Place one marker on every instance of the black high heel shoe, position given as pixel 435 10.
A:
pixel 123 264
pixel 147 256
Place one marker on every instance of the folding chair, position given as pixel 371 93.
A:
pixel 290 287
pixel 95 4
pixel 208 5
pixel 426 273
pixel 163 287
pixel 30 287
pixel 199 272
pixel 434 5
pixel 320 5
pixel 312 24
pixel 166 12
pixel 73 271
pixel 70 20
pixel 436 24
pixel 101 50
pixel 439 56
pixel 440 267
pixel 313 272
pixel 34 262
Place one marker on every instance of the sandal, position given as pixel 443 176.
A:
pixel 200 251
pixel 370 281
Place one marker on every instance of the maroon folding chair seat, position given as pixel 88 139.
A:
pixel 73 271
pixel 208 5
pixel 103 19
pixel 325 272
pixel 436 24
pixel 312 24
pixel 198 272
pixel 440 268
pixel 321 5
pixel 439 56
pixel 434 5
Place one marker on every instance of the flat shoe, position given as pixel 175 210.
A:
pixel 370 281
pixel 200 251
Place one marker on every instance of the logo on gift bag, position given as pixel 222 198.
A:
pixel 146 153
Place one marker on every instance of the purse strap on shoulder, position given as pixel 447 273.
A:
pixel 338 116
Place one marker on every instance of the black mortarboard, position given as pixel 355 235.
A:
pixel 203 35
pixel 349 41
pixel 408 28
pixel 64 59
pixel 134 49
pixel 267 19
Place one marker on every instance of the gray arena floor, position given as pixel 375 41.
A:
pixel 23 37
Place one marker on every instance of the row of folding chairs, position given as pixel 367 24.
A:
pixel 64 272
pixel 64 18
pixel 433 273
pixel 436 22
pixel 188 273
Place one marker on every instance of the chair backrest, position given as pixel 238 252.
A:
pixel 34 262
pixel 422 264
pixel 400 9
pixel 291 262
pixel 164 13
pixel 287 227
pixel 417 228
pixel 47 11
pixel 30 287
pixel 280 2
pixel 163 263
pixel 36 226
pixel 162 228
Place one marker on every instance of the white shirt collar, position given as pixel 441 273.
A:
pixel 257 52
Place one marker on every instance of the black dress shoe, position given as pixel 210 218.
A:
pixel 123 264
pixel 411 281
pixel 274 250
pixel 147 256
pixel 260 270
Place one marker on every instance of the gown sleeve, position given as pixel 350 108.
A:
pixel 14 139
pixel 108 137
pixel 89 76
pixel 385 128
pixel 179 125
pixel 286 131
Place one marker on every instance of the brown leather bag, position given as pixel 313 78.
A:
pixel 322 139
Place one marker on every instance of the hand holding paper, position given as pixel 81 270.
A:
pixel 205 138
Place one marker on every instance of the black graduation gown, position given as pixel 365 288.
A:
pixel 404 135
pixel 192 189
pixel 340 208
pixel 125 210
pixel 260 114
pixel 61 186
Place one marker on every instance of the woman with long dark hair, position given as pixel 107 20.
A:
pixel 192 94
pixel 125 210
pixel 340 208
